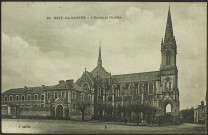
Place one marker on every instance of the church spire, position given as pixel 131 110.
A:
pixel 169 28
pixel 99 58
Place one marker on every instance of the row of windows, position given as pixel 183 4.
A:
pixel 29 105
pixel 22 98
pixel 132 90
pixel 82 96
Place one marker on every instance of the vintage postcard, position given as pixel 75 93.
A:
pixel 104 67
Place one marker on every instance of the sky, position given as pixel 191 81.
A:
pixel 38 51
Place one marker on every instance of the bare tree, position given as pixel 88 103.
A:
pixel 82 106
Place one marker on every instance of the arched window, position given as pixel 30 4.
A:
pixel 122 87
pixel 89 97
pixel 151 88
pixel 10 98
pixel 167 84
pixel 168 58
pixel 17 97
pixel 73 95
pixel 82 97
pixel 23 98
pixel 141 88
pixel 114 89
pixel 36 97
pixel 118 92
pixel 5 98
pixel 28 97
pixel 85 86
pixel 131 89
pixel 42 97
pixel 56 95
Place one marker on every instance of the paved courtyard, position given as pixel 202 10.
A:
pixel 72 127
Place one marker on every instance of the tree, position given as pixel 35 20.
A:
pixel 137 108
pixel 82 106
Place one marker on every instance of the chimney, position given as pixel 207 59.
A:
pixel 61 81
pixel 202 104
pixel 25 87
pixel 70 82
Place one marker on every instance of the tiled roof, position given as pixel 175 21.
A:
pixel 90 75
pixel 101 72
pixel 61 85
pixel 24 90
pixel 135 77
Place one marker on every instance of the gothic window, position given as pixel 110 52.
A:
pixel 166 86
pixel 82 97
pixel 141 88
pixel 169 85
pixel 85 86
pixel 73 95
pixel 131 88
pixel 168 58
pixel 28 97
pixel 122 87
pixel 118 93
pixel 150 88
pixel 114 89
pixel 89 97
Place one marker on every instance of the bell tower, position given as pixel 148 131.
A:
pixel 169 73
pixel 168 47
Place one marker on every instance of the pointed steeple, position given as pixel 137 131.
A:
pixel 169 28
pixel 99 58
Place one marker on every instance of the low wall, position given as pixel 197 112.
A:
pixel 35 112
pixel 79 117
pixel 5 110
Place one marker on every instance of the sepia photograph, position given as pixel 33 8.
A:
pixel 104 67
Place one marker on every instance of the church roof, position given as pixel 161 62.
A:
pixel 135 77
pixel 100 71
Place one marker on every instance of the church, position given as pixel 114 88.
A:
pixel 99 87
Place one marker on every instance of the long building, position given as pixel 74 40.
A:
pixel 156 88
